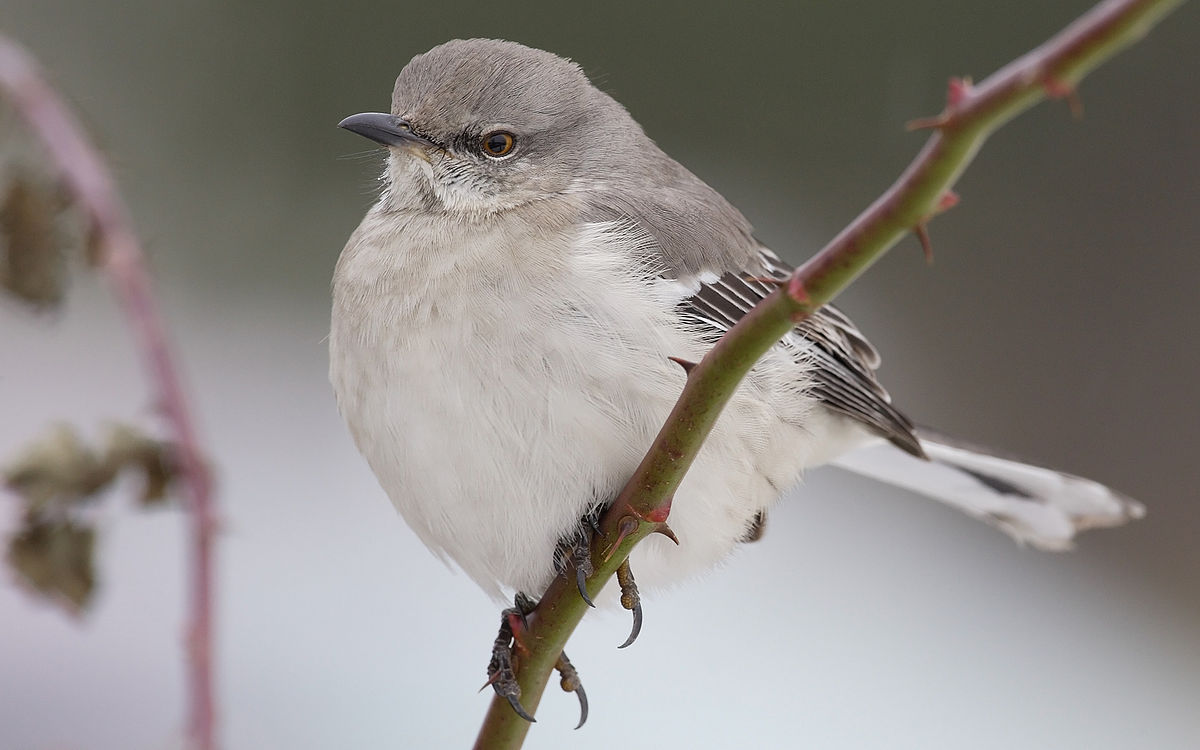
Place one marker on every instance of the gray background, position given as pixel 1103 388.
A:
pixel 1059 322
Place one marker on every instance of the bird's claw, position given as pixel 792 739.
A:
pixel 515 702
pixel 501 675
pixel 630 599
pixel 581 576
pixel 571 683
pixel 576 552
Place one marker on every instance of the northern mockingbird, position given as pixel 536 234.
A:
pixel 503 317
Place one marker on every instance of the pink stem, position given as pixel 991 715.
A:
pixel 119 254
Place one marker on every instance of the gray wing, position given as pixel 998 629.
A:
pixel 845 362
pixel 696 236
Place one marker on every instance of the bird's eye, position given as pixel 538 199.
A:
pixel 498 143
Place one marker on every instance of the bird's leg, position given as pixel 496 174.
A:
pixel 574 552
pixel 501 675
pixel 570 683
pixel 630 599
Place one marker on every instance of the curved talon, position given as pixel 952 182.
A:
pixel 524 606
pixel 578 551
pixel 583 706
pixel 630 599
pixel 637 626
pixel 501 675
pixel 571 683
pixel 581 584
pixel 515 702
pixel 524 603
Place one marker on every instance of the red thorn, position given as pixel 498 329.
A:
pixel 626 526
pixel 687 365
pixel 769 280
pixel 797 291
pixel 926 244
pixel 948 201
pixel 666 531
pixel 1056 88
pixel 928 123
pixel 958 90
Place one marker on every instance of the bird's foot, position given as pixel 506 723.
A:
pixel 573 557
pixel 574 553
pixel 501 674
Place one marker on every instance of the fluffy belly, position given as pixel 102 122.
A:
pixel 497 407
pixel 493 462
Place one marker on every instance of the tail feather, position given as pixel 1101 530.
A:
pixel 1036 506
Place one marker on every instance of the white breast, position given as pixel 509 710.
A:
pixel 502 381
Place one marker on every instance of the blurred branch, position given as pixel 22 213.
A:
pixel 115 249
pixel 57 477
pixel 971 114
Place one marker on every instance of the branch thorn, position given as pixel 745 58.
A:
pixel 1056 88
pixel 957 93
pixel 626 526
pixel 958 90
pixel 948 201
pixel 937 122
pixel 768 280
pixel 686 364
pixel 662 528
pixel 922 232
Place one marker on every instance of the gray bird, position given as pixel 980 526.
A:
pixel 503 317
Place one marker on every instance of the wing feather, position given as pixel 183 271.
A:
pixel 843 361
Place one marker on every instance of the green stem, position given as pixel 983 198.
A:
pixel 971 114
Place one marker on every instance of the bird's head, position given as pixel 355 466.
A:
pixel 480 126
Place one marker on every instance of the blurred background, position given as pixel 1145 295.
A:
pixel 1059 322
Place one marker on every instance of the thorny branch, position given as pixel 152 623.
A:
pixel 971 114
pixel 116 251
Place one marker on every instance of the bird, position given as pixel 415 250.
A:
pixel 505 316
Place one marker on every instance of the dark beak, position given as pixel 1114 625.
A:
pixel 386 129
